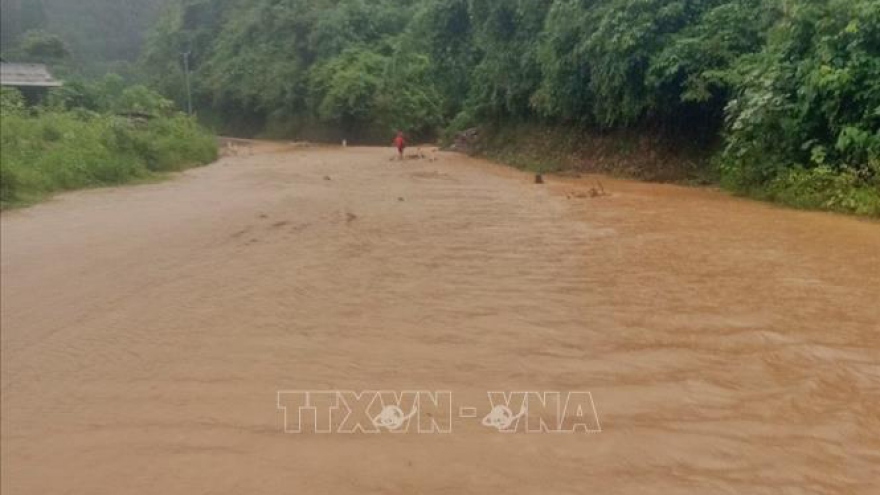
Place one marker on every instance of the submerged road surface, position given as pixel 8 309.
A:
pixel 729 346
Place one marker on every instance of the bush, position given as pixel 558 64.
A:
pixel 109 95
pixel 83 137
pixel 11 101
pixel 55 151
pixel 825 188
pixel 803 126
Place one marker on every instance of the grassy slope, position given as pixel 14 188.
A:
pixel 58 151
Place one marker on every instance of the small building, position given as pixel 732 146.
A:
pixel 33 80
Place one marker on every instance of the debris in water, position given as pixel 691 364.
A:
pixel 593 192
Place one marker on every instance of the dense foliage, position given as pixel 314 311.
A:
pixel 786 91
pixel 93 35
pixel 804 123
pixel 90 135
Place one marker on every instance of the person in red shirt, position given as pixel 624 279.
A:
pixel 400 143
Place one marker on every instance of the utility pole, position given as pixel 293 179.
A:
pixel 189 102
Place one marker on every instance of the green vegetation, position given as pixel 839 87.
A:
pixel 570 149
pixel 95 36
pixel 804 123
pixel 785 93
pixel 78 139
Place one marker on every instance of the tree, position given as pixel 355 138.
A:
pixel 40 46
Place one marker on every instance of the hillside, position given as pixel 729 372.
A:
pixel 99 34
pixel 787 92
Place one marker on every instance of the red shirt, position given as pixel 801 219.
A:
pixel 400 142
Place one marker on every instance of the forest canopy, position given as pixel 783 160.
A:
pixel 787 92
pixel 790 87
pixel 95 36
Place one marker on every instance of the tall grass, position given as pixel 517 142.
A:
pixel 46 151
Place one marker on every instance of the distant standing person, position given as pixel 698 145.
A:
pixel 400 144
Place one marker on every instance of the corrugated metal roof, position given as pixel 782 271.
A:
pixel 26 75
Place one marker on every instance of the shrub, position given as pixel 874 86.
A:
pixel 825 188
pixel 54 151
pixel 11 101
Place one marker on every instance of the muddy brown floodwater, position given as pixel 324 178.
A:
pixel 730 346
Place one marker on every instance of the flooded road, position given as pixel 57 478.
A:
pixel 729 346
